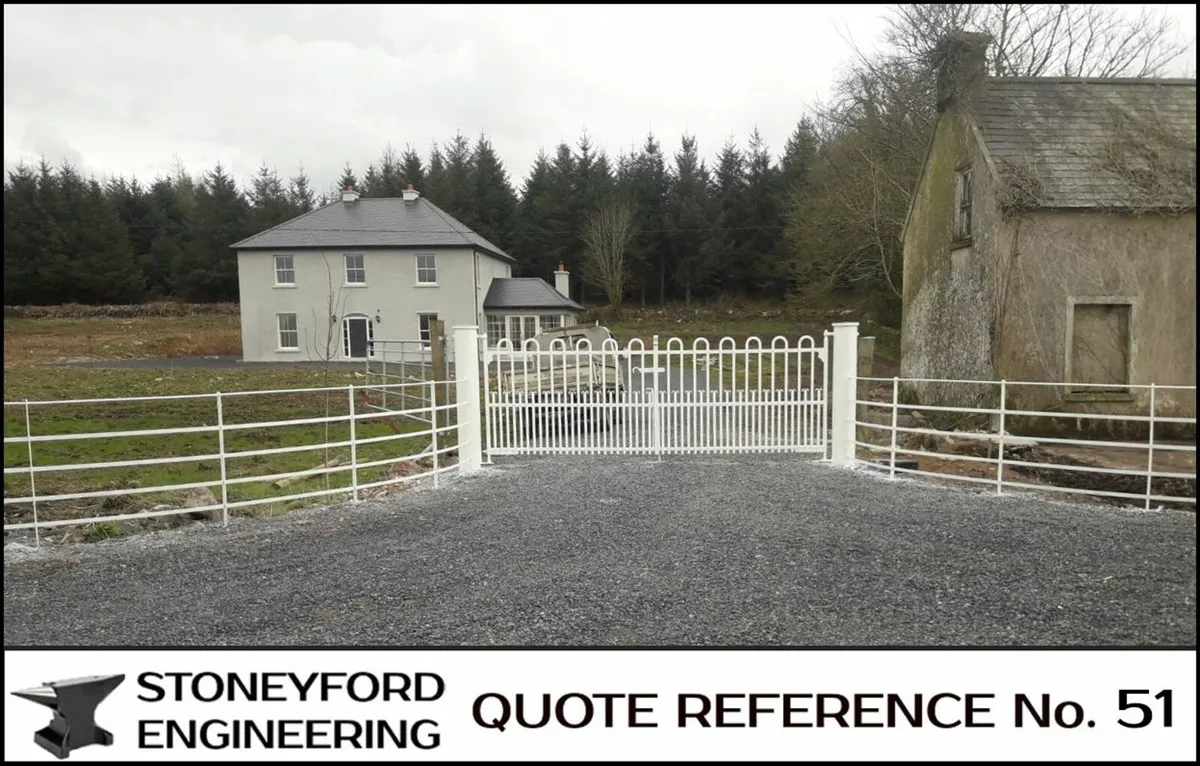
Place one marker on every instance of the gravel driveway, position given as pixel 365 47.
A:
pixel 624 551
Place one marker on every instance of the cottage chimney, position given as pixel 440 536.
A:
pixel 961 60
pixel 348 194
pixel 562 280
pixel 411 194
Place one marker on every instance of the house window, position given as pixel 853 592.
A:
pixel 356 270
pixel 1100 345
pixel 358 337
pixel 289 334
pixel 285 270
pixel 550 321
pixel 962 202
pixel 426 270
pixel 495 329
pixel 423 323
pixel 521 328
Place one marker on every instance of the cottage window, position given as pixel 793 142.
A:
pixel 356 270
pixel 521 328
pixel 289 333
pixel 426 270
pixel 962 200
pixel 424 327
pixel 285 270
pixel 495 329
pixel 1100 348
pixel 550 321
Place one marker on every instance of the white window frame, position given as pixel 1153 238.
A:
pixel 558 320
pixel 431 269
pixel 280 330
pixel 346 320
pixel 289 269
pixel 425 334
pixel 492 322
pixel 347 269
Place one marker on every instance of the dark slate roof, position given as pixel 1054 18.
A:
pixel 1080 143
pixel 371 222
pixel 526 293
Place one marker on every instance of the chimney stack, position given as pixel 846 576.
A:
pixel 411 194
pixel 349 195
pixel 961 59
pixel 562 280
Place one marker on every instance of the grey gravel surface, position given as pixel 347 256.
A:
pixel 761 550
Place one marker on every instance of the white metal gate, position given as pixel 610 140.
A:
pixel 665 399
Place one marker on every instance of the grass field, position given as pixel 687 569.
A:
pixel 34 347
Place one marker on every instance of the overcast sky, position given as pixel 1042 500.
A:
pixel 125 89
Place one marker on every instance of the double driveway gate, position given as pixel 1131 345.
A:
pixel 665 399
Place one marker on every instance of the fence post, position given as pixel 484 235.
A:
pixel 433 441
pixel 895 410
pixel 37 530
pixel 1000 455
pixel 470 443
pixel 221 449
pixel 383 377
pixel 485 356
pixel 353 447
pixel 844 391
pixel 1150 456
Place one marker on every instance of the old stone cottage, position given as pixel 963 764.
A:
pixel 1052 237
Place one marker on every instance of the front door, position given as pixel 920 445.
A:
pixel 356 337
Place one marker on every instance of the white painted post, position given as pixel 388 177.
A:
pixel 37 530
pixel 353 447
pixel 844 391
pixel 1150 456
pixel 470 443
pixel 1000 457
pixel 485 357
pixel 221 449
pixel 383 376
pixel 433 441
pixel 895 418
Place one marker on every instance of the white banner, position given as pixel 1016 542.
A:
pixel 507 705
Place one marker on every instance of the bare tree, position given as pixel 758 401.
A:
pixel 606 238
pixel 325 340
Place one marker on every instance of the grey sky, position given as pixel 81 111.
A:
pixel 124 89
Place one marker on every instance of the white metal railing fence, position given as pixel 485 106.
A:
pixel 397 361
pixel 1141 479
pixel 453 424
pixel 657 398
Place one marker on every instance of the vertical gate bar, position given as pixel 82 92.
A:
pixel 824 408
pixel 37 530
pixel 353 447
pixel 1150 451
pixel 221 449
pixel 895 411
pixel 383 379
pixel 1000 452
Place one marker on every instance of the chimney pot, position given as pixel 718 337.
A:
pixel 410 194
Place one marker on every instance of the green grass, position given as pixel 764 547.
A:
pixel 72 418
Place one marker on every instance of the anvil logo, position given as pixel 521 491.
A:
pixel 74 703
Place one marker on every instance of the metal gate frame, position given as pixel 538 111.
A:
pixel 691 414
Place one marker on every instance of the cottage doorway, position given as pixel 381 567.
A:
pixel 357 333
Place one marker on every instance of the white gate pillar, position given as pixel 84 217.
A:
pixel 467 393
pixel 843 391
